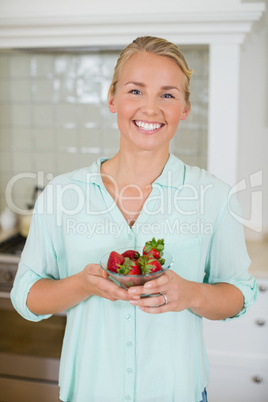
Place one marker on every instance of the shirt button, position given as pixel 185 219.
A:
pixel 130 236
pixel 128 317
pixel 129 344
pixel 128 398
pixel 129 370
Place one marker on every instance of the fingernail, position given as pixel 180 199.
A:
pixel 135 302
pixel 148 285
pixel 132 290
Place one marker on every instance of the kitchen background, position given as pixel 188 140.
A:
pixel 53 111
pixel 54 116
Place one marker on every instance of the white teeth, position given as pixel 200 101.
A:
pixel 147 126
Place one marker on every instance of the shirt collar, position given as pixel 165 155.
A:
pixel 173 174
pixel 90 174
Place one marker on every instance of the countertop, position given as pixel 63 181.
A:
pixel 258 253
pixel 5 234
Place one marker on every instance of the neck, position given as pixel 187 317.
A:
pixel 140 168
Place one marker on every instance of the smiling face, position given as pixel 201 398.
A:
pixel 149 101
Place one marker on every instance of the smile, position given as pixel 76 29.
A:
pixel 149 127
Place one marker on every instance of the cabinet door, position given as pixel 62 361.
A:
pixel 248 334
pixel 243 335
pixel 28 391
pixel 237 385
pixel 261 304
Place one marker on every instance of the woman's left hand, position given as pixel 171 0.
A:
pixel 179 292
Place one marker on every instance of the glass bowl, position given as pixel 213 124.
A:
pixel 126 281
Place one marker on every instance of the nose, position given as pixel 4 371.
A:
pixel 150 106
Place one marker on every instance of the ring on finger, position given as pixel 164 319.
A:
pixel 165 297
pixel 165 302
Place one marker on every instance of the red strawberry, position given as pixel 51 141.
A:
pixel 155 264
pixel 114 261
pixel 132 254
pixel 135 269
pixel 153 253
pixel 154 248
pixel 129 267
pixel 149 265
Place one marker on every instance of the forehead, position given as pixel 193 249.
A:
pixel 145 66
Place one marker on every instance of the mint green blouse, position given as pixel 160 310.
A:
pixel 113 351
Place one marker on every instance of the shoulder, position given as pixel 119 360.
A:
pixel 67 188
pixel 194 180
pixel 206 182
pixel 81 175
pixel 64 178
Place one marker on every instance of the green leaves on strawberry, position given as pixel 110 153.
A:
pixel 115 260
pixel 149 265
pixel 154 248
pixel 129 267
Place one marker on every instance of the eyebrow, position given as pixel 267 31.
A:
pixel 140 84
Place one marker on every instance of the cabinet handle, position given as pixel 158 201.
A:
pixel 260 322
pixel 257 379
pixel 8 275
pixel 262 288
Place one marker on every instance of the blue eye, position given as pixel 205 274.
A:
pixel 168 96
pixel 134 92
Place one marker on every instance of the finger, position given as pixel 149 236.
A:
pixel 155 310
pixel 152 301
pixel 111 290
pixel 136 291
pixel 122 294
pixel 95 269
pixel 115 291
pixel 157 283
pixel 143 290
pixel 105 274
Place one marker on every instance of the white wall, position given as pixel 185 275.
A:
pixel 253 116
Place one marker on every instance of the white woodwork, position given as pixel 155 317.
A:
pixel 223 110
pixel 238 354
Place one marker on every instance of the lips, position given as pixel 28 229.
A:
pixel 146 126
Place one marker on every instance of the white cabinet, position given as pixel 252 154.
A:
pixel 237 384
pixel 238 354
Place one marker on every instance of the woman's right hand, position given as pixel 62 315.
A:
pixel 94 281
pixel 50 296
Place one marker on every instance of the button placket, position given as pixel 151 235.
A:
pixel 129 376
pixel 130 335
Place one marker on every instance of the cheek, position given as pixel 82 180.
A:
pixel 174 114
pixel 125 110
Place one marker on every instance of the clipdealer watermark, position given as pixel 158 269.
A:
pixel 189 203
pixel 174 227
pixel 255 219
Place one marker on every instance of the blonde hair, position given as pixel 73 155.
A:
pixel 156 46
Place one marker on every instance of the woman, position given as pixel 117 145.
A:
pixel 137 349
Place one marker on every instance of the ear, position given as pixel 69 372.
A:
pixel 185 113
pixel 111 104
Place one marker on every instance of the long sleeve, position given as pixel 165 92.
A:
pixel 38 260
pixel 227 259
